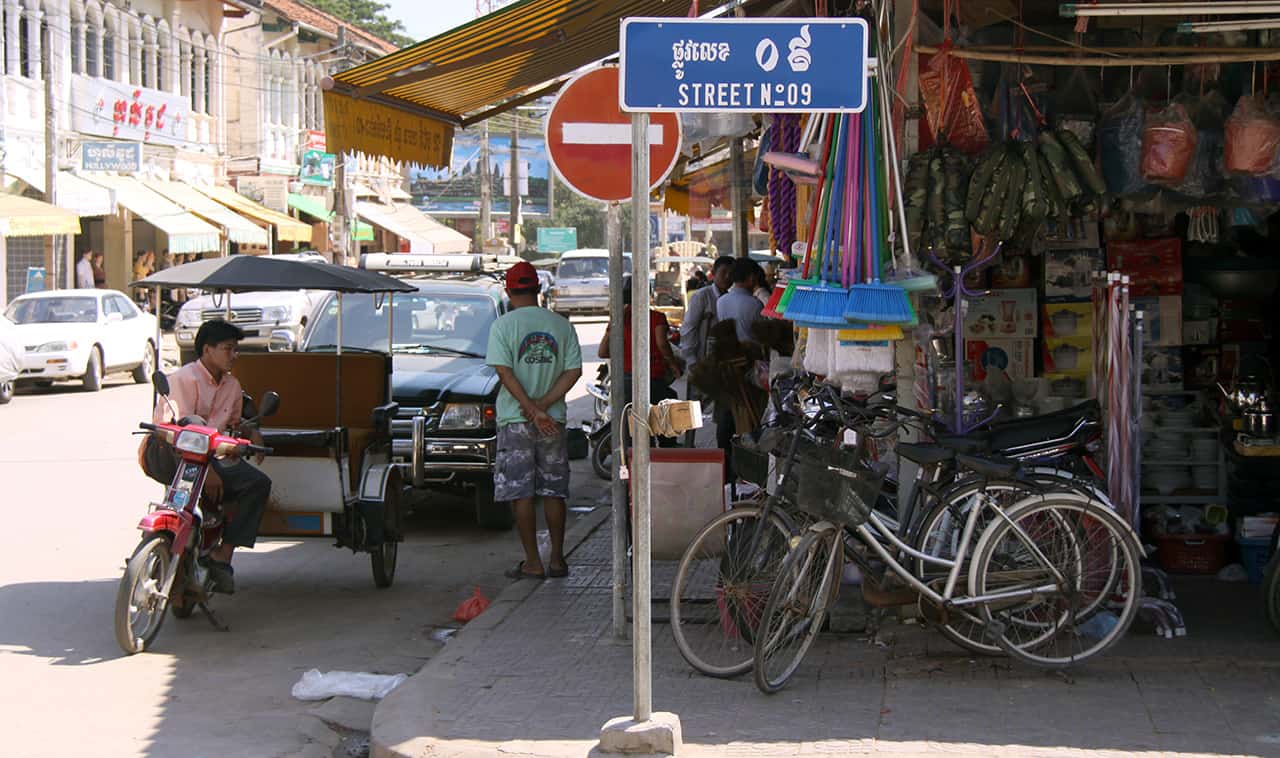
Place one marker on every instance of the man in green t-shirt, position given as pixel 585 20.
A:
pixel 538 359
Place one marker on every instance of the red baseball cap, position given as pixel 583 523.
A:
pixel 522 276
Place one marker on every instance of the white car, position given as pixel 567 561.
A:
pixel 11 354
pixel 82 334
pixel 258 314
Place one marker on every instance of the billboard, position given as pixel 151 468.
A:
pixel 456 190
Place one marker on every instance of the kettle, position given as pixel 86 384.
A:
pixel 1246 394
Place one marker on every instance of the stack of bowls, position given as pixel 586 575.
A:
pixel 1181 417
pixel 1167 479
pixel 1205 449
pixel 1166 445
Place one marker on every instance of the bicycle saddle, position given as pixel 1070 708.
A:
pixel 989 468
pixel 1051 426
pixel 924 455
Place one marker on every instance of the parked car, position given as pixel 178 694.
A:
pixel 444 435
pixel 582 282
pixel 82 334
pixel 258 314
pixel 11 355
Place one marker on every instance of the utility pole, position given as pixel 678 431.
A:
pixel 484 228
pixel 513 176
pixel 738 186
pixel 56 265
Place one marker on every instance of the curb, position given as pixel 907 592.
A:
pixel 403 720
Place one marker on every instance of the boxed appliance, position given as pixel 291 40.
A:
pixel 1002 315
pixel 1199 332
pixel 1067 356
pixel 1068 273
pixel 1016 358
pixel 1162 368
pixel 1161 320
pixel 1068 320
pixel 1154 266
pixel 1012 271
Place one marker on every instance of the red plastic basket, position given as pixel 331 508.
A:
pixel 1192 553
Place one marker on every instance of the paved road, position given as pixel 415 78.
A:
pixel 73 495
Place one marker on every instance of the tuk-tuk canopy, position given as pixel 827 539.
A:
pixel 247 273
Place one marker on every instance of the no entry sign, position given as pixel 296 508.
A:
pixel 589 138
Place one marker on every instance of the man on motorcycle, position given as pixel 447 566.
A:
pixel 206 388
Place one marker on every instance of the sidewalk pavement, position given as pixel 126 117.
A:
pixel 540 672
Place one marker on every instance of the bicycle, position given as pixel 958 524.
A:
pixel 1034 573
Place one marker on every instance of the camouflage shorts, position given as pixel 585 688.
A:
pixel 529 464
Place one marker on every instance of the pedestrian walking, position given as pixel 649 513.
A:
pixel 99 272
pixel 538 359
pixel 664 365
pixel 740 306
pixel 699 317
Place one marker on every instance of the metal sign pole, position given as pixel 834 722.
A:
pixel 642 648
pixel 617 389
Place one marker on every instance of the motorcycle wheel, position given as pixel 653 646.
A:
pixel 1271 592
pixel 140 606
pixel 601 453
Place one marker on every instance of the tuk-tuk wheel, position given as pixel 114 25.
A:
pixel 490 514
pixel 383 558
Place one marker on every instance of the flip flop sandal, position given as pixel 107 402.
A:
pixel 558 573
pixel 518 572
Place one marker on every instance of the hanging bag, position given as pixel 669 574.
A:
pixel 1251 139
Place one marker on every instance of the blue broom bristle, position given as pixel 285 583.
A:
pixel 878 304
pixel 818 304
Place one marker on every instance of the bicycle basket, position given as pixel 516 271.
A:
pixel 750 464
pixel 837 491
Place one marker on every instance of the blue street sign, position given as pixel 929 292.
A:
pixel 741 64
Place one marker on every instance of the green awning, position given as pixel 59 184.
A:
pixel 314 207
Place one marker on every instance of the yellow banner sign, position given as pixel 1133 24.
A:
pixel 360 125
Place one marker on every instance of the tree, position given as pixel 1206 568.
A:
pixel 588 216
pixel 370 16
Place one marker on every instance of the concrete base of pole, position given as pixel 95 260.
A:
pixel 660 735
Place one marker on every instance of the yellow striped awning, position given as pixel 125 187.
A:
pixel 186 232
pixel 238 228
pixel 288 228
pixel 406 104
pixel 24 217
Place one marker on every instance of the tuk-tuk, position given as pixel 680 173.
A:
pixel 331 471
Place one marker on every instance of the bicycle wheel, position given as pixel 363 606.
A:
pixel 721 586
pixel 1082 551
pixel 939 536
pixel 797 605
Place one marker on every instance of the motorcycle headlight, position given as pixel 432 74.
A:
pixel 60 346
pixel 192 442
pixel 277 313
pixel 462 416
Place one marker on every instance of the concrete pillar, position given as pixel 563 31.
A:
pixel 34 60
pixel 117 248
pixel 172 76
pixel 12 18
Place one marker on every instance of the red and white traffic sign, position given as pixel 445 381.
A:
pixel 589 138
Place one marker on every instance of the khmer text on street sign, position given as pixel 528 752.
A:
pixel 756 65
pixel 589 138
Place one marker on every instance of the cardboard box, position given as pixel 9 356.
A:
pixel 1016 358
pixel 1068 320
pixel 1067 356
pixel 1161 321
pixel 1012 271
pixel 1082 233
pixel 1162 368
pixel 1154 266
pixel 1002 315
pixel 1068 274
pixel 1199 332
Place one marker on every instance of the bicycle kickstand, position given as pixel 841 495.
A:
pixel 213 619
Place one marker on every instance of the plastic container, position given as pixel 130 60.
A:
pixel 1255 552
pixel 1192 553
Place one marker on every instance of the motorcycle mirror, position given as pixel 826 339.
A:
pixel 160 382
pixel 248 411
pixel 270 404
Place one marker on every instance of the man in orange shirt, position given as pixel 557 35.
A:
pixel 206 388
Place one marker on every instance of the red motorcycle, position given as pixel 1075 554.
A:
pixel 164 572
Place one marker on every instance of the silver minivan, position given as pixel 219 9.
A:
pixel 582 282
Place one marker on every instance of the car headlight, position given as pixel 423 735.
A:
pixel 277 313
pixel 60 346
pixel 189 317
pixel 192 442
pixel 461 416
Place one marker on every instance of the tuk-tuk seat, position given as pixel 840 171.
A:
pixel 308 424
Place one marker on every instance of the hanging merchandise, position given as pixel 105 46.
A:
pixel 1075 106
pixel 1252 138
pixel 1204 177
pixel 935 197
pixel 781 190
pixel 1168 145
pixel 954 115
pixel 1120 140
